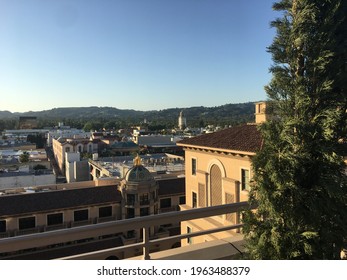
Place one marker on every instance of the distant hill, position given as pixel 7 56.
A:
pixel 84 113
pixel 225 114
pixel 6 114
pixel 74 112
pixel 229 113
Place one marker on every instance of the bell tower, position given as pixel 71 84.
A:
pixel 261 114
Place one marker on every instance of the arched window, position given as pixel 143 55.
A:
pixel 216 185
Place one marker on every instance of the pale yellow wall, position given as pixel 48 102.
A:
pixel 11 223
pixel 230 167
pixel 260 112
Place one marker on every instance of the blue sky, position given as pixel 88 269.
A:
pixel 133 54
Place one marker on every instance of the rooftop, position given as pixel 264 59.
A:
pixel 19 204
pixel 117 166
pixel 245 138
pixel 5 173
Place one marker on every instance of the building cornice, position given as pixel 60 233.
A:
pixel 216 150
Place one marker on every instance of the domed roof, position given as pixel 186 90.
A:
pixel 138 172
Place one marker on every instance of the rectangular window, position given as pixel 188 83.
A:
pixel 54 219
pixel 144 200
pixel 105 211
pixel 144 211
pixel 182 200
pixel 194 200
pixel 26 223
pixel 165 202
pixel 3 226
pixel 131 199
pixel 81 215
pixel 189 239
pixel 130 213
pixel 245 179
pixel 193 166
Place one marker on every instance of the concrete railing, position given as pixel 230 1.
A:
pixel 145 223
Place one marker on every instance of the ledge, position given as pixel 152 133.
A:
pixel 223 249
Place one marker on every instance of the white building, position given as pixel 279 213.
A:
pixel 72 133
pixel 19 179
pixel 76 170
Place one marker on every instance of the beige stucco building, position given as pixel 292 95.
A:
pixel 46 209
pixel 61 146
pixel 219 171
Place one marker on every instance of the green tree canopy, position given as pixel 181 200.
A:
pixel 299 175
pixel 23 158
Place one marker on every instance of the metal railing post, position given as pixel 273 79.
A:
pixel 146 255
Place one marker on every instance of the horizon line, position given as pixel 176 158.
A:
pixel 126 109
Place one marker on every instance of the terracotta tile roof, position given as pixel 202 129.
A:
pixel 55 200
pixel 246 138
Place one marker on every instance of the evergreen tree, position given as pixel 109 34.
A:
pixel 299 175
pixel 24 157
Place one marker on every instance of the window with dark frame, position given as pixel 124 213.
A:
pixel 54 219
pixel 194 200
pixel 130 213
pixel 144 211
pixel 245 179
pixel 165 202
pixel 81 215
pixel 3 226
pixel 193 166
pixel 105 211
pixel 144 199
pixel 131 198
pixel 26 223
pixel 189 239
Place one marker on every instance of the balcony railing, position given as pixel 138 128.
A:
pixel 145 223
pixel 169 209
pixel 45 228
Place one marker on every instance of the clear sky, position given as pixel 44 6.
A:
pixel 133 54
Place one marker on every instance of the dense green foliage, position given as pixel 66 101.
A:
pixel 299 175
pixel 23 158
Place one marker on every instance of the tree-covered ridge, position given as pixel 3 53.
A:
pixel 112 117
